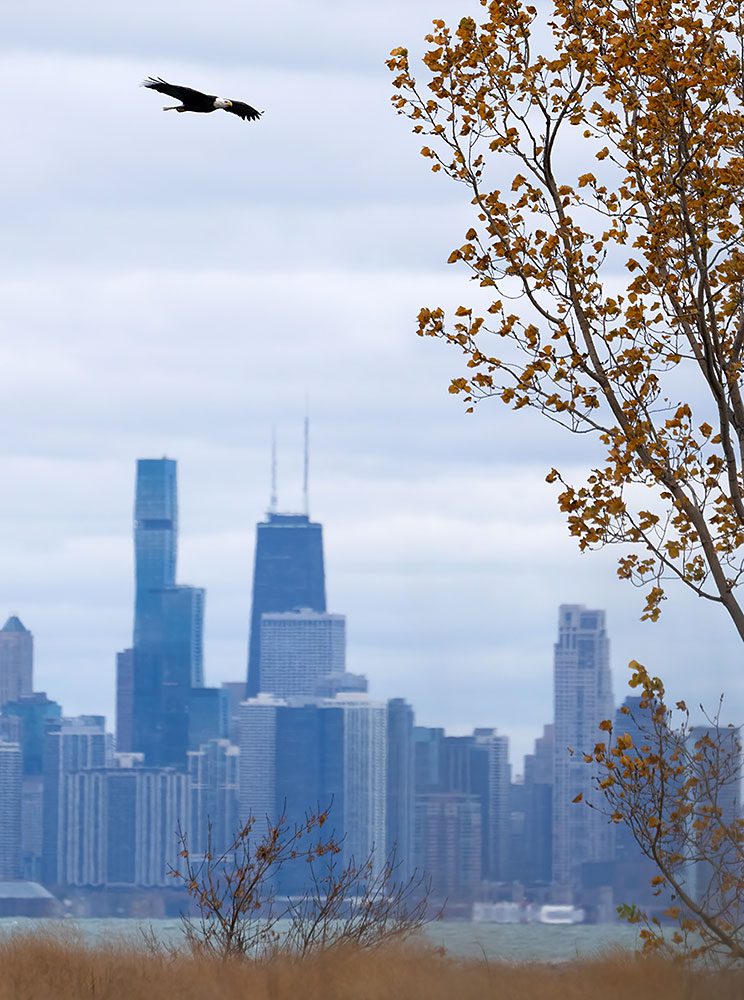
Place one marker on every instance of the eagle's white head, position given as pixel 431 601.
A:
pixel 222 102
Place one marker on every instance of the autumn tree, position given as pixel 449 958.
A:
pixel 677 787
pixel 601 146
pixel 602 150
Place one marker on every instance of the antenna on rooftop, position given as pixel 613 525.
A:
pixel 272 502
pixel 305 474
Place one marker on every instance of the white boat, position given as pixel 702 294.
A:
pixel 553 914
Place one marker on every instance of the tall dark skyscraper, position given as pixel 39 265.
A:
pixel 288 574
pixel 155 537
pixel 168 624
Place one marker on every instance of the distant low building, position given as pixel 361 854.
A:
pixel 27 899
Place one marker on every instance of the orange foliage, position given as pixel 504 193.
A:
pixel 631 272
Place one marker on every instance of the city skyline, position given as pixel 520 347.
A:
pixel 196 339
pixel 93 809
pixel 523 731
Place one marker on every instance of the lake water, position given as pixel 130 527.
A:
pixel 495 942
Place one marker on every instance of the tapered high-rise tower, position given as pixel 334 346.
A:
pixel 168 624
pixel 288 571
pixel 155 537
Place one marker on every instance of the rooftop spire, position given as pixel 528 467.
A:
pixel 273 501
pixel 305 471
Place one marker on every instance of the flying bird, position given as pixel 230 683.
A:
pixel 194 100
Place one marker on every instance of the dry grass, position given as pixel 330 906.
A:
pixel 36 968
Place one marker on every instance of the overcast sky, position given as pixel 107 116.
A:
pixel 177 284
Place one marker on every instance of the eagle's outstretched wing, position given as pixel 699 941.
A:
pixel 244 111
pixel 184 94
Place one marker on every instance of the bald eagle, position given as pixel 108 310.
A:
pixel 194 100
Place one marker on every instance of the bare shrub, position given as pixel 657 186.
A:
pixel 242 914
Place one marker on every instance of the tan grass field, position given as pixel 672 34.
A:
pixel 63 969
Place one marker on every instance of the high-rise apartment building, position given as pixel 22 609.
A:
pixel 582 699
pixel 72 745
pixel 497 802
pixel 33 714
pixel 288 574
pixel 448 843
pixel 299 649
pixel 428 750
pixel 257 795
pixel 11 863
pixel 538 809
pixel 36 713
pixel 16 661
pixel 213 797
pixel 401 791
pixel 125 701
pixel 121 825
pixel 364 777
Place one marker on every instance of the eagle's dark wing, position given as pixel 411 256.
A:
pixel 184 94
pixel 244 111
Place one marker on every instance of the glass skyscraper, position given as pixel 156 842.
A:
pixel 155 537
pixel 288 574
pixel 168 623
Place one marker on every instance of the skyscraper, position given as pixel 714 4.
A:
pixel 288 574
pixel 401 792
pixel 538 806
pixel 448 843
pixel 300 648
pixel 121 825
pixel 10 811
pixel 213 797
pixel 258 760
pixel 72 745
pixel 364 775
pixel 167 658
pixel 496 829
pixel 125 701
pixel 582 699
pixel 16 660
pixel 34 714
pixel 155 537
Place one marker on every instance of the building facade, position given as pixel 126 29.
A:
pixel 11 779
pixel 121 825
pixel 401 790
pixel 299 649
pixel 448 843
pixel 288 573
pixel 167 653
pixel 582 699
pixel 16 661
pixel 72 745
pixel 213 772
pixel 257 793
